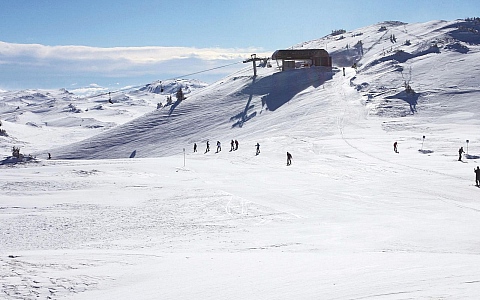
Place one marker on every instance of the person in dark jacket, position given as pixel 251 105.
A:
pixel 289 159
pixel 194 147
pixel 236 145
pixel 460 152
pixel 232 145
pixel 477 176
pixel 208 147
pixel 258 148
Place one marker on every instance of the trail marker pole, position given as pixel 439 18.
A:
pixel 467 145
pixel 423 141
pixel 184 157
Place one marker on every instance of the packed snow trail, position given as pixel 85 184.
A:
pixel 349 219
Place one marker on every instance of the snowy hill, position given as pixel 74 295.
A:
pixel 64 117
pixel 122 212
pixel 437 60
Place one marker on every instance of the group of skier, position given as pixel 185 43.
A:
pixel 476 171
pixel 234 147
pixel 460 154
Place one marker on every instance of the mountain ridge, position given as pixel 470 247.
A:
pixel 429 58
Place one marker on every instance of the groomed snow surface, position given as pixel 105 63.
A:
pixel 122 212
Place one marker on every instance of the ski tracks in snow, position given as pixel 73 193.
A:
pixel 450 199
pixel 22 279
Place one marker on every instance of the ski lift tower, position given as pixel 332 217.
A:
pixel 253 58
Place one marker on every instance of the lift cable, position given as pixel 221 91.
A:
pixel 173 78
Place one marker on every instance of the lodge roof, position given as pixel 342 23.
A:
pixel 299 54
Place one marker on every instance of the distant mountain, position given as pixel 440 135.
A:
pixel 426 71
pixel 167 87
pixel 56 113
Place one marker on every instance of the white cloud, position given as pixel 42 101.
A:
pixel 88 91
pixel 41 64
pixel 133 55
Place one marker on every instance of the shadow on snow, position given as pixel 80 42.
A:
pixel 410 98
pixel 278 89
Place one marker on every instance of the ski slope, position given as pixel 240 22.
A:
pixel 349 219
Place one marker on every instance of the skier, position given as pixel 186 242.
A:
pixel 219 146
pixel 477 177
pixel 236 145
pixel 208 147
pixel 289 159
pixel 395 147
pixel 258 148
pixel 460 152
pixel 194 147
pixel 232 145
pixel 343 71
pixel 49 155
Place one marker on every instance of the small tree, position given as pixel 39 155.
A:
pixel 408 88
pixel 338 32
pixel 180 95
pixel 359 46
pixel 383 28
pixel 2 131
pixel 16 152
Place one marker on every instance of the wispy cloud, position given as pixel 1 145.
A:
pixel 29 60
pixel 133 54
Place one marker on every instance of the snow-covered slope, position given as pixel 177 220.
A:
pixel 349 219
pixel 62 117
pixel 236 107
pixel 438 60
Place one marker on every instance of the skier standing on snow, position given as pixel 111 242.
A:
pixel 208 147
pixel 395 147
pixel 258 149
pixel 289 159
pixel 219 146
pixel 236 145
pixel 460 152
pixel 194 147
pixel 477 177
pixel 232 145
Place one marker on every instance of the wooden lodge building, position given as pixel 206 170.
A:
pixel 299 58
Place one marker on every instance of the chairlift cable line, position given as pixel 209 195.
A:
pixel 173 78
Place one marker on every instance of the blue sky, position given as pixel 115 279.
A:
pixel 189 36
